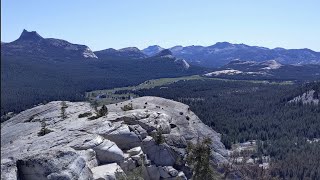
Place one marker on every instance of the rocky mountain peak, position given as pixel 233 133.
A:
pixel 130 49
pixel 163 53
pixel 155 47
pixel 152 50
pixel 176 48
pixel 128 52
pixel 222 45
pixel 30 43
pixel 29 36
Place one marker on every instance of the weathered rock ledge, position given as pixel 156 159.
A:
pixel 113 145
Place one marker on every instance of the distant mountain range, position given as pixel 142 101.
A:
pixel 217 55
pixel 38 69
pixel 222 53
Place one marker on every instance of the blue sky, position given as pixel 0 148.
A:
pixel 102 24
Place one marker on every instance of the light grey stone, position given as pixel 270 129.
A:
pixel 89 143
pixel 161 155
pixel 134 151
pixel 124 138
pixel 54 165
pixel 107 172
pixel 9 169
pixel 89 156
pixel 108 152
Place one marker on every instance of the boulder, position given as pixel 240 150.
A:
pixel 155 121
pixel 108 152
pixel 124 138
pixel 107 172
pixel 54 165
pixel 161 155
pixel 147 124
pixel 87 141
pixel 142 133
pixel 89 156
pixel 134 151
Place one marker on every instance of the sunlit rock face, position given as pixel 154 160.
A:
pixel 55 141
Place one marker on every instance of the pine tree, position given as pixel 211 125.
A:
pixel 103 111
pixel 63 109
pixel 199 159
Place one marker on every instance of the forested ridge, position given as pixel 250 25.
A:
pixel 243 111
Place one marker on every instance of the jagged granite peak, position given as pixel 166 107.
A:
pixel 30 43
pixel 152 50
pixel 29 36
pixel 45 143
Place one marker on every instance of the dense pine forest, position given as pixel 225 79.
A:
pixel 28 81
pixel 243 111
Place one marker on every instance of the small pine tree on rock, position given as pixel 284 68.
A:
pixel 103 111
pixel 63 110
pixel 199 159
pixel 158 137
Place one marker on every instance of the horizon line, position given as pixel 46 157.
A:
pixel 261 46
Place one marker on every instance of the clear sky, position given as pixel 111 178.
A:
pixel 102 24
